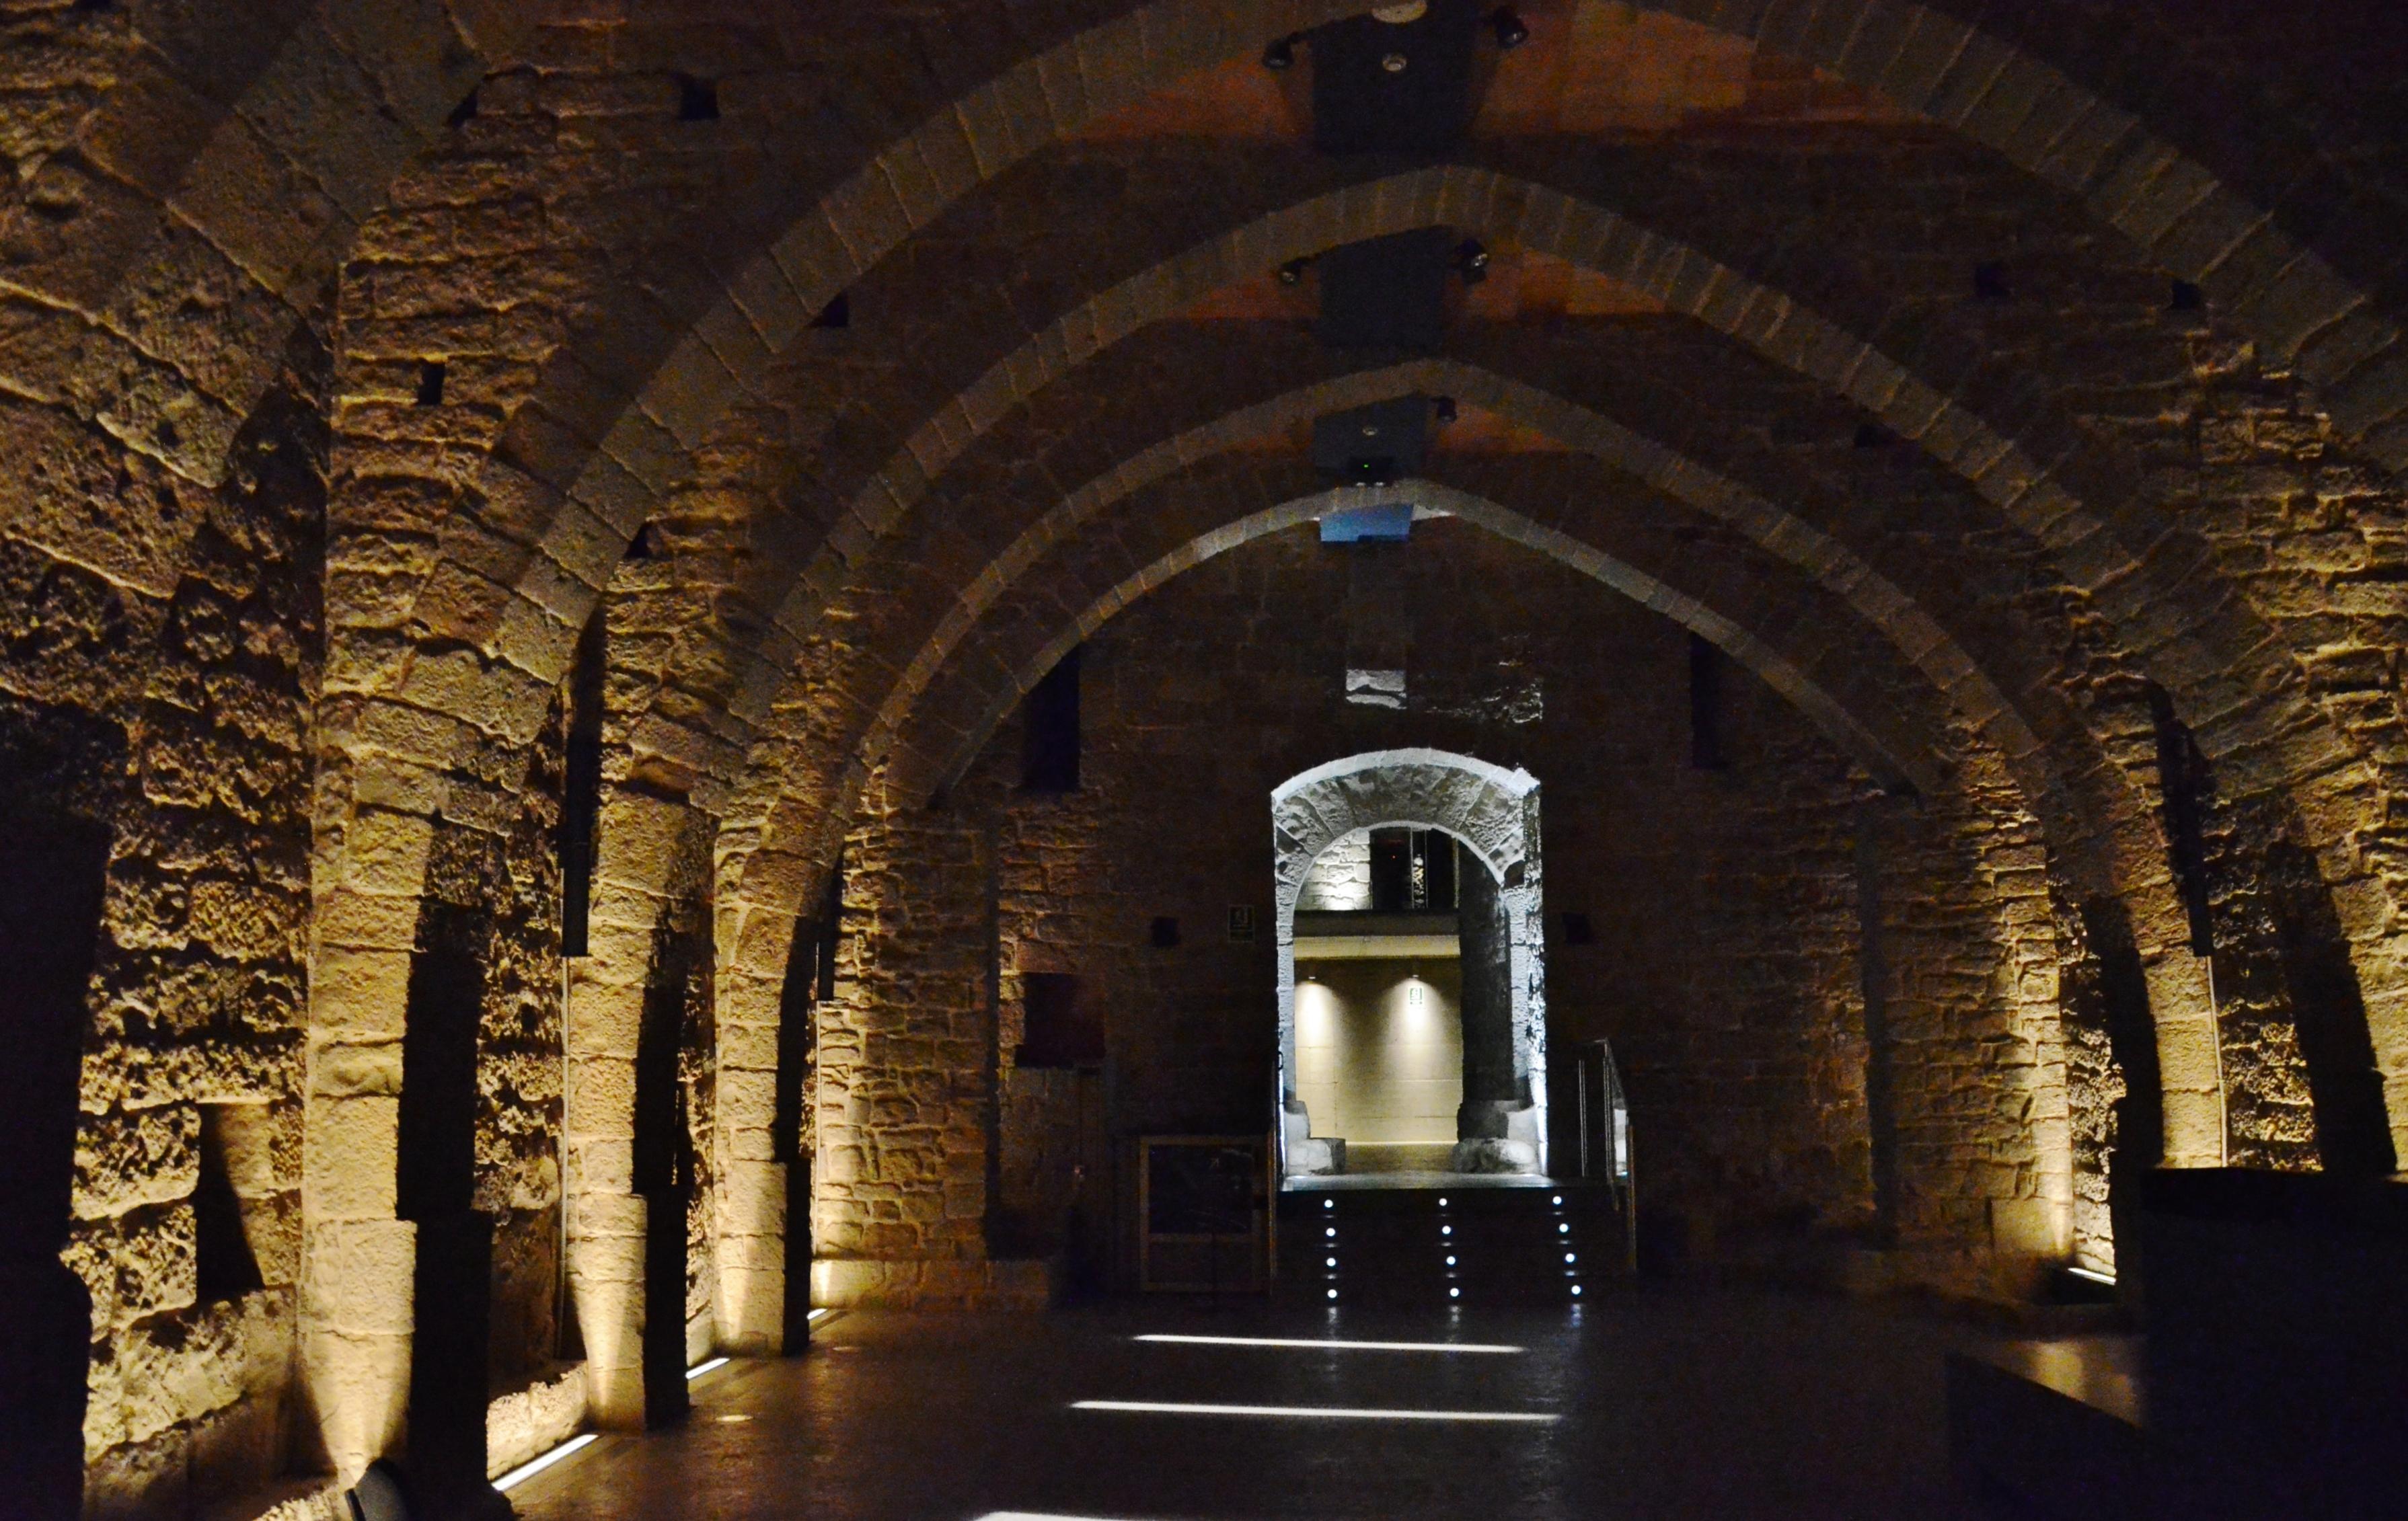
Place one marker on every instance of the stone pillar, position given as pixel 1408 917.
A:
pixel 1492 1087
pixel 750 1222
pixel 358 1259
pixel 1873 973
pixel 1489 1085
pixel 607 1220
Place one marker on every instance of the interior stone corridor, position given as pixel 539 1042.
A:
pixel 992 669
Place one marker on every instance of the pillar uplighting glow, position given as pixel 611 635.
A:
pixel 1319 1345
pixel 526 1471
pixel 1314 1413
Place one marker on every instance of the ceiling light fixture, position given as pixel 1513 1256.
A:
pixel 1280 54
pixel 1512 32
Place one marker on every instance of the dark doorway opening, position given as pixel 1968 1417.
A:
pixel 53 866
pixel 663 1176
pixel 810 978
pixel 434 1186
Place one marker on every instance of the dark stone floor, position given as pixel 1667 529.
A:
pixel 1670 1403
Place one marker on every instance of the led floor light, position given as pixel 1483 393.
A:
pixel 526 1471
pixel 1317 1345
pixel 1313 1412
pixel 701 1367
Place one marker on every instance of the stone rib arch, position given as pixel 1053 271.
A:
pixel 2260 725
pixel 1495 814
pixel 1483 200
pixel 2188 1059
pixel 1490 203
pixel 586 449
pixel 1954 669
pixel 216 165
pixel 1885 757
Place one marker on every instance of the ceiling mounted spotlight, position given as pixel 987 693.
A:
pixel 1292 273
pixel 1443 409
pixel 1511 30
pixel 1471 261
pixel 1281 52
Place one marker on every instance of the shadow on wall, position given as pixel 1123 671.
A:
pixel 2344 1088
pixel 663 1176
pixel 52 869
pixel 436 1187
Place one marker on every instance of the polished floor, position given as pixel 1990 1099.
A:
pixel 1646 1403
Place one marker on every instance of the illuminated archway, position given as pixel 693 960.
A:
pixel 1495 814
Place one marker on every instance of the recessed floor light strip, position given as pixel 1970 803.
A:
pixel 701 1367
pixel 1324 1346
pixel 1313 1412
pixel 528 1470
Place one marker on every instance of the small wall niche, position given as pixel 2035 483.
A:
pixel 1058 1029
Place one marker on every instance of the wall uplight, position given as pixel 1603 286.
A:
pixel 1314 1413
pixel 526 1471
pixel 1315 1345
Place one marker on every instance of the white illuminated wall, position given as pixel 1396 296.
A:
pixel 1379 1049
pixel 1340 878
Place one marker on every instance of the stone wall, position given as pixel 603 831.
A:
pixel 1721 906
pixel 199 987
pixel 1340 878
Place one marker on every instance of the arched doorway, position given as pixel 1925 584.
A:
pixel 1499 978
